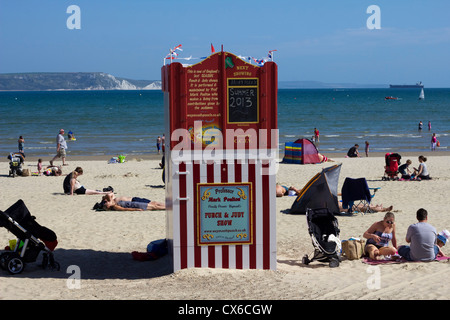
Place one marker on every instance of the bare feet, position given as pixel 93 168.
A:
pixel 374 254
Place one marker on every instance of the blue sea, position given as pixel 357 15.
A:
pixel 129 122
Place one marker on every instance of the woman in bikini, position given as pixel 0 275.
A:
pixel 378 237
pixel 111 202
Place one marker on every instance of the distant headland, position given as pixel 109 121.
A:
pixel 42 81
pixel 60 81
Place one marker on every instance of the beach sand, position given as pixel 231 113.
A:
pixel 100 243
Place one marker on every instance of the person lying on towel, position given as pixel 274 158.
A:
pixel 111 202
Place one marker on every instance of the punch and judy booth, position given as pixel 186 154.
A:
pixel 220 163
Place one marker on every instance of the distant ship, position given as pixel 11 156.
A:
pixel 417 85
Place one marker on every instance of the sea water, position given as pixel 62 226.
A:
pixel 129 122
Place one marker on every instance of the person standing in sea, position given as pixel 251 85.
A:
pixel 61 147
pixel 433 142
pixel 163 143
pixel 420 126
pixel 21 143
pixel 316 135
pixel 158 144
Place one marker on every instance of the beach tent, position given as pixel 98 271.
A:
pixel 302 151
pixel 319 192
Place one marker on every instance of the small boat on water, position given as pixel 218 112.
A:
pixel 422 95
pixel 390 98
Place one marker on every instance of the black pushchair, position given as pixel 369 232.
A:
pixel 323 228
pixel 32 238
pixel 15 163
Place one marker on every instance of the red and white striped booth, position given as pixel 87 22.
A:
pixel 220 163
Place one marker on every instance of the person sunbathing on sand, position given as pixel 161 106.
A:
pixel 323 158
pixel 282 190
pixel 374 208
pixel 379 235
pixel 111 202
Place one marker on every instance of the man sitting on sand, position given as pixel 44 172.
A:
pixel 421 237
pixel 111 202
pixel 353 152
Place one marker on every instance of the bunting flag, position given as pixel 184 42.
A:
pixel 173 55
pixel 270 55
pixel 178 47
pixel 259 62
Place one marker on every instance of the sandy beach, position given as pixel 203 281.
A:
pixel 100 242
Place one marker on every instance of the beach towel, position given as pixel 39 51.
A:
pixel 395 261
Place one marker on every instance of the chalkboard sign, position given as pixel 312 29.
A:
pixel 243 100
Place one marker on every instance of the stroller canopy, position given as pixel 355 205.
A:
pixel 20 214
pixel 319 192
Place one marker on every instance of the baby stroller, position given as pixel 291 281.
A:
pixel 18 220
pixel 15 163
pixel 324 230
pixel 391 168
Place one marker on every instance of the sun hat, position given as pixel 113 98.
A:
pixel 444 235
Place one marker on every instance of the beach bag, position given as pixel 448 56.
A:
pixel 26 172
pixel 158 248
pixel 353 249
pixel 155 250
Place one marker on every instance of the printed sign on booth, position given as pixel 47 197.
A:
pixel 224 213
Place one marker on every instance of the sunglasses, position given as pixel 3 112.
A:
pixel 389 222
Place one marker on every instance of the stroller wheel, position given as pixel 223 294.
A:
pixel 305 260
pixel 15 264
pixel 334 262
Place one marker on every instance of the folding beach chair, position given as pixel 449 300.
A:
pixel 356 195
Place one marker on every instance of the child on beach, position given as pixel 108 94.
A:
pixel 367 148
pixel 39 166
pixel 405 171
pixel 441 240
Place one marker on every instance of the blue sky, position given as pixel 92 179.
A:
pixel 323 40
